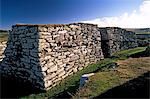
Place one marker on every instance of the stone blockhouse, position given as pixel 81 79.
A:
pixel 143 39
pixel 116 39
pixel 46 54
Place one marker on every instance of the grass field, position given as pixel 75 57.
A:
pixel 102 81
pixel 3 36
pixel 142 32
pixel 126 53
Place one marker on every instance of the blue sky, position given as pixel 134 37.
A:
pixel 61 11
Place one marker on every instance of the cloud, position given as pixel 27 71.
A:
pixel 126 20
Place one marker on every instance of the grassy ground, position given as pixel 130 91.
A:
pixel 142 32
pixel 69 86
pixel 137 88
pixel 3 37
pixel 103 81
pixel 127 53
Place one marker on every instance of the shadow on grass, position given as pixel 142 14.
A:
pixel 15 88
pixel 136 88
pixel 145 53
pixel 139 54
pixel 69 92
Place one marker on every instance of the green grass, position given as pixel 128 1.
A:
pixel 70 84
pixel 126 53
pixel 142 32
pixel 98 83
pixel 105 80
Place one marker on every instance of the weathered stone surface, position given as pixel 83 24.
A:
pixel 44 68
pixel 52 69
pixel 48 83
pixel 2 48
pixel 143 39
pixel 116 39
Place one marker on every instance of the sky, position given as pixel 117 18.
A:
pixel 121 13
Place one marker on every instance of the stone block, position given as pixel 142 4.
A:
pixel 52 69
pixel 44 68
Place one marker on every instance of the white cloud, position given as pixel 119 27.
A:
pixel 126 20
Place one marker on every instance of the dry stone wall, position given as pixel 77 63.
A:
pixel 46 54
pixel 116 39
pixel 143 39
pixel 2 48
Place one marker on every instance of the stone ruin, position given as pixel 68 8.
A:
pixel 46 54
pixel 115 39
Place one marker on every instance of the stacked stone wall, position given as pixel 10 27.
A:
pixel 2 48
pixel 115 39
pixel 46 54
pixel 143 39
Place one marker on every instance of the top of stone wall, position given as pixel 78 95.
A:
pixel 116 28
pixel 110 28
pixel 52 25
